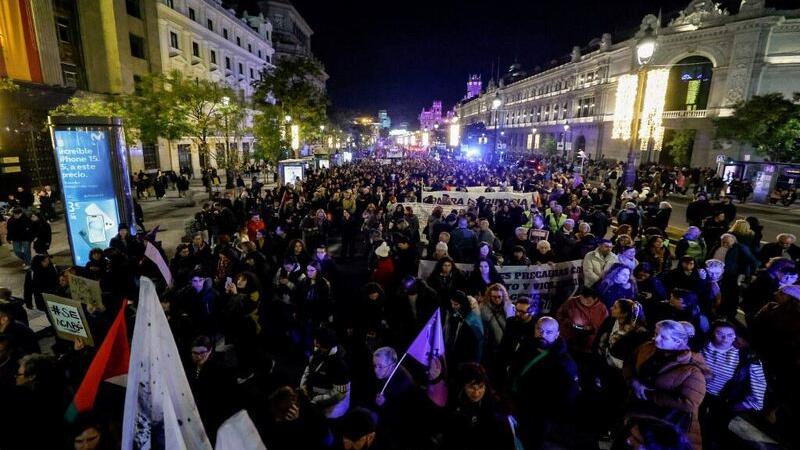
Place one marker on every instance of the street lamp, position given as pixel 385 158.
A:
pixel 497 102
pixel 225 102
pixel 564 143
pixel 645 49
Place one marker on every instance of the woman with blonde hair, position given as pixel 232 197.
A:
pixel 744 235
pixel 667 379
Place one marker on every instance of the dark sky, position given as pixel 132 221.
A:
pixel 401 55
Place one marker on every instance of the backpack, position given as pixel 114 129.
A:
pixel 695 250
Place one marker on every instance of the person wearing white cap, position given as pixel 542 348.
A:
pixel 384 269
pixel 440 252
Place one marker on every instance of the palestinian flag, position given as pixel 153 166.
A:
pixel 110 361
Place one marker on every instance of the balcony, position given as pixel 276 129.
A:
pixel 696 114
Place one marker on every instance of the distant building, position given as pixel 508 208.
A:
pixel 474 86
pixel 104 47
pixel 384 119
pixel 291 33
pixel 428 118
pixel 706 59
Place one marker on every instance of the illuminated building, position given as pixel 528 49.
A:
pixel 474 86
pixel 103 47
pixel 706 60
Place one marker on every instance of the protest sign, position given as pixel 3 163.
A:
pixel 85 290
pixel 549 282
pixel 67 317
pixel 462 199
pixel 536 235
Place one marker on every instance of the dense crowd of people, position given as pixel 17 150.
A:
pixel 298 302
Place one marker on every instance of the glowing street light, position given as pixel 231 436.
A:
pixel 295 130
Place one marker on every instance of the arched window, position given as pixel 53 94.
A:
pixel 689 84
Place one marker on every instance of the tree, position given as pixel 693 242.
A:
pixel 680 146
pixel 770 123
pixel 550 146
pixel 94 106
pixel 200 101
pixel 232 122
pixel 155 111
pixel 290 89
pixel 6 84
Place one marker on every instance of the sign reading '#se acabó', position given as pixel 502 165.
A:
pixel 67 318
pixel 84 162
pixel 548 282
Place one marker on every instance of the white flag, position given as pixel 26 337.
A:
pixel 154 255
pixel 428 349
pixel 160 412
pixel 239 433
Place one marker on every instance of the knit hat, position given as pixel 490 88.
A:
pixel 383 250
pixel 630 205
pixel 791 290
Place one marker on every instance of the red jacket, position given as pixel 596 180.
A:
pixel 384 273
pixel 573 313
pixel 254 226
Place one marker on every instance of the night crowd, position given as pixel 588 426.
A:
pixel 296 303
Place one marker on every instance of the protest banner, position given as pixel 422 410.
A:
pixel 462 199
pixel 548 282
pixel 85 290
pixel 67 317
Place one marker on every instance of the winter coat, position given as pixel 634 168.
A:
pixel 595 265
pixel 678 385
pixel 573 314
pixel 494 322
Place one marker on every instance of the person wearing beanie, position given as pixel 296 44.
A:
pixel 441 251
pixel 123 240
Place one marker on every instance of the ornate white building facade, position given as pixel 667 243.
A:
pixel 705 61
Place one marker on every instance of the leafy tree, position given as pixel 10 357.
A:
pixel 232 117
pixel 94 106
pixel 289 89
pixel 155 111
pixel 6 84
pixel 200 101
pixel 770 123
pixel 550 146
pixel 271 145
pixel 680 146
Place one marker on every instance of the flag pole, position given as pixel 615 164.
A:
pixel 397 366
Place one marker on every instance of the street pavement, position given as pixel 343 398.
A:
pixel 774 219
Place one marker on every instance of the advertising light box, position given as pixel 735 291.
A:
pixel 92 212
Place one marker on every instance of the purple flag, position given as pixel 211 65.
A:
pixel 428 349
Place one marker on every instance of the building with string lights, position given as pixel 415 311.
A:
pixel 630 98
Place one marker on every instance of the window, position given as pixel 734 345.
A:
pixel 251 73
pixel 173 40
pixel 213 55
pixel 195 49
pixel 564 111
pixel 133 8
pixel 70 74
pixel 269 59
pixel 227 63
pixel 62 28
pixel 225 33
pixel 137 46
pixel 210 24
pixel 241 69
pixel 192 14
pixel 249 48
pixel 238 41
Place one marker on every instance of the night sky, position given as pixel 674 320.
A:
pixel 401 55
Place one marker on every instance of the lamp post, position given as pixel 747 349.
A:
pixel 225 102
pixel 645 49
pixel 497 102
pixel 564 143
